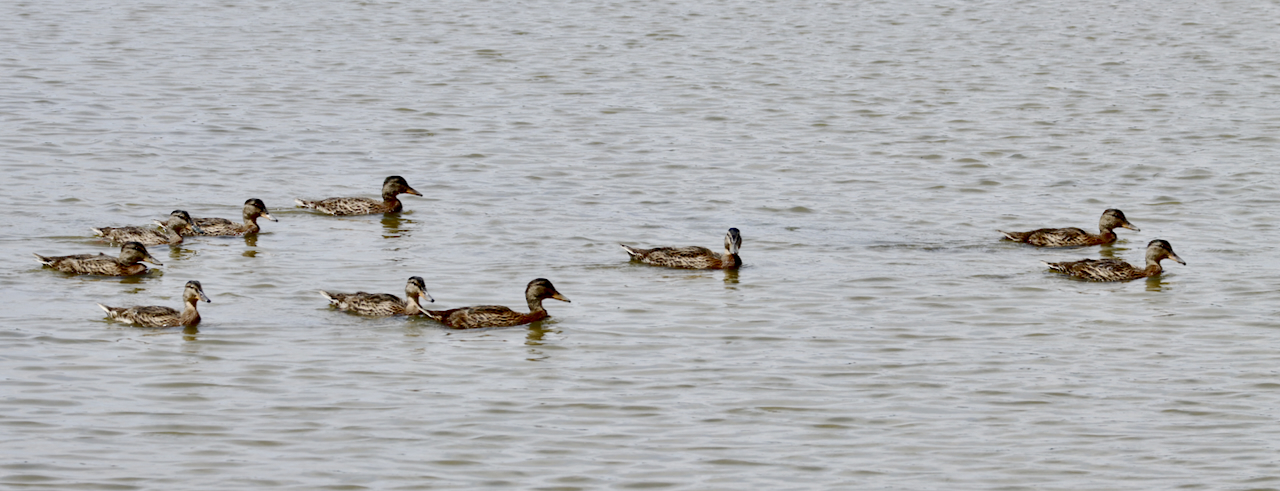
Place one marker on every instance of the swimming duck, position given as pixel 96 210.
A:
pixel 253 208
pixel 131 253
pixel 383 304
pixel 692 257
pixel 1073 237
pixel 159 316
pixel 391 187
pixel 497 315
pixel 1117 270
pixel 168 233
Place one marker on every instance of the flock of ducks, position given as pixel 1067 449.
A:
pixel 1098 269
pixel 180 224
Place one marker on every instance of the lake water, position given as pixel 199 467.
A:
pixel 880 335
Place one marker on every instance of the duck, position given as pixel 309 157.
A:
pixel 131 254
pixel 692 257
pixel 160 316
pixel 1117 270
pixel 497 315
pixel 1074 237
pixel 383 304
pixel 253 209
pixel 391 187
pixel 168 233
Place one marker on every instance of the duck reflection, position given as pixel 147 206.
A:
pixel 177 252
pixel 190 333
pixel 1155 283
pixel 1109 252
pixel 730 277
pixel 393 225
pixel 136 279
pixel 251 240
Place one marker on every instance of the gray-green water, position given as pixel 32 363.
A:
pixel 880 336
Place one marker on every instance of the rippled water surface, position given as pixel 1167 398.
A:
pixel 879 337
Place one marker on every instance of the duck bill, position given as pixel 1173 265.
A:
pixel 152 260
pixel 412 191
pixel 195 228
pixel 425 296
pixel 1130 227
pixel 560 297
pixel 204 297
pixel 268 216
pixel 1176 258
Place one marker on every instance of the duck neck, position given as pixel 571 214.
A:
pixel 251 223
pixel 411 306
pixel 392 202
pixel 190 316
pixel 1153 267
pixel 731 260
pixel 535 306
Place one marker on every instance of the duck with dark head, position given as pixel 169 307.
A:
pixel 1118 270
pixel 393 186
pixel 160 316
pixel 383 304
pixel 1074 237
pixel 131 254
pixel 254 208
pixel 692 257
pixel 497 315
pixel 170 232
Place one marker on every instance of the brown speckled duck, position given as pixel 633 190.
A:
pixel 167 234
pixel 253 209
pixel 159 316
pixel 1117 270
pixel 692 257
pixel 1074 237
pixel 131 254
pixel 497 315
pixel 383 304
pixel 391 187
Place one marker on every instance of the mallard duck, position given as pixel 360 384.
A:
pixel 168 233
pixel 131 253
pixel 391 187
pixel 1073 237
pixel 253 208
pixel 383 304
pixel 1117 270
pixel 692 257
pixel 497 315
pixel 159 316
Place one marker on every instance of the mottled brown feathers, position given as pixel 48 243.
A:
pixel 160 316
pixel 391 188
pixel 692 257
pixel 253 209
pixel 168 233
pixel 497 315
pixel 1075 237
pixel 1117 270
pixel 383 304
pixel 131 254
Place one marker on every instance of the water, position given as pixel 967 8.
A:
pixel 880 336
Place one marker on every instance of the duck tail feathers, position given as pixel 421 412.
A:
pixel 304 203
pixel 43 260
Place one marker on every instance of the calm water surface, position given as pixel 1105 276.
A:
pixel 880 337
